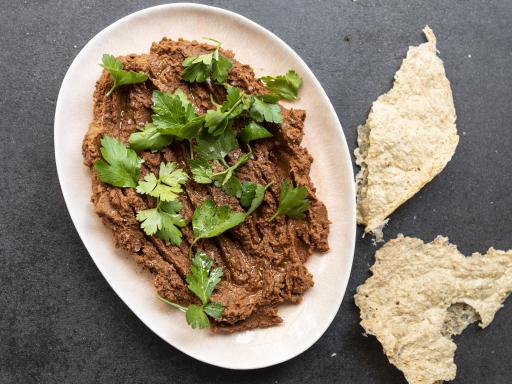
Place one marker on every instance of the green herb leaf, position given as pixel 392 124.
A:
pixel 285 86
pixel 263 111
pixel 168 184
pixel 149 138
pixel 201 281
pixel 253 131
pixel 252 195
pixel 175 115
pixel 119 75
pixel 293 201
pixel 196 317
pixel 201 170
pixel 163 221
pixel 210 221
pixel 231 187
pixel 199 68
pixel 120 166
pixel 215 310
pixel 211 147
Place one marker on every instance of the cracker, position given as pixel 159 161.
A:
pixel 408 138
pixel 421 294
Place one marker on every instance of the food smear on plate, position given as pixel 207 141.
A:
pixel 421 294
pixel 199 173
pixel 408 138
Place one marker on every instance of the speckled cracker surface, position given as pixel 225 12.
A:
pixel 421 294
pixel 408 138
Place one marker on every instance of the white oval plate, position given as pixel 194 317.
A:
pixel 331 173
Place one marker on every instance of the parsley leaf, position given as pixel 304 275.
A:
pixel 214 309
pixel 263 111
pixel 168 184
pixel 252 195
pixel 119 75
pixel 196 317
pixel 201 281
pixel 120 166
pixel 149 138
pixel 253 131
pixel 218 120
pixel 214 65
pixel 285 86
pixel 201 170
pixel 293 201
pixel 210 221
pixel 231 187
pixel 163 221
pixel 210 147
pixel 174 117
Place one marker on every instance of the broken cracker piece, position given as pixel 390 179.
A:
pixel 421 294
pixel 408 138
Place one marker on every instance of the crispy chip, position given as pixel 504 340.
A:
pixel 421 294
pixel 408 138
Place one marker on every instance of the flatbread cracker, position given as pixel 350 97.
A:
pixel 408 138
pixel 421 294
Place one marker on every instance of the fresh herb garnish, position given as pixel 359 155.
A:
pixel 252 195
pixel 214 65
pixel 120 166
pixel 174 117
pixel 201 281
pixel 167 185
pixel 293 201
pixel 119 75
pixel 163 221
pixel 285 86
pixel 210 147
pixel 253 131
pixel 218 120
pixel 215 148
pixel 149 138
pixel 202 171
pixel 264 111
pixel 232 187
pixel 210 220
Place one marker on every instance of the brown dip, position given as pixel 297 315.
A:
pixel 263 262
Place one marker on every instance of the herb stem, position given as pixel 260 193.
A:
pixel 111 90
pixel 273 216
pixel 177 306
pixel 191 149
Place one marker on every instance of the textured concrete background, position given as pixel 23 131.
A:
pixel 60 321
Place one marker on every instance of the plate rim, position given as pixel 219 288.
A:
pixel 326 101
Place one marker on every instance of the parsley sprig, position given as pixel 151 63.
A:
pixel 174 117
pixel 119 166
pixel 284 86
pixel 212 148
pixel 293 201
pixel 202 280
pixel 214 65
pixel 119 75
pixel 209 220
pixel 252 195
pixel 164 221
pixel 167 185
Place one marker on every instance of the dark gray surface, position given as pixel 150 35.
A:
pixel 60 321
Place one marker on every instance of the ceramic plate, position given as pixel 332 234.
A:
pixel 331 173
